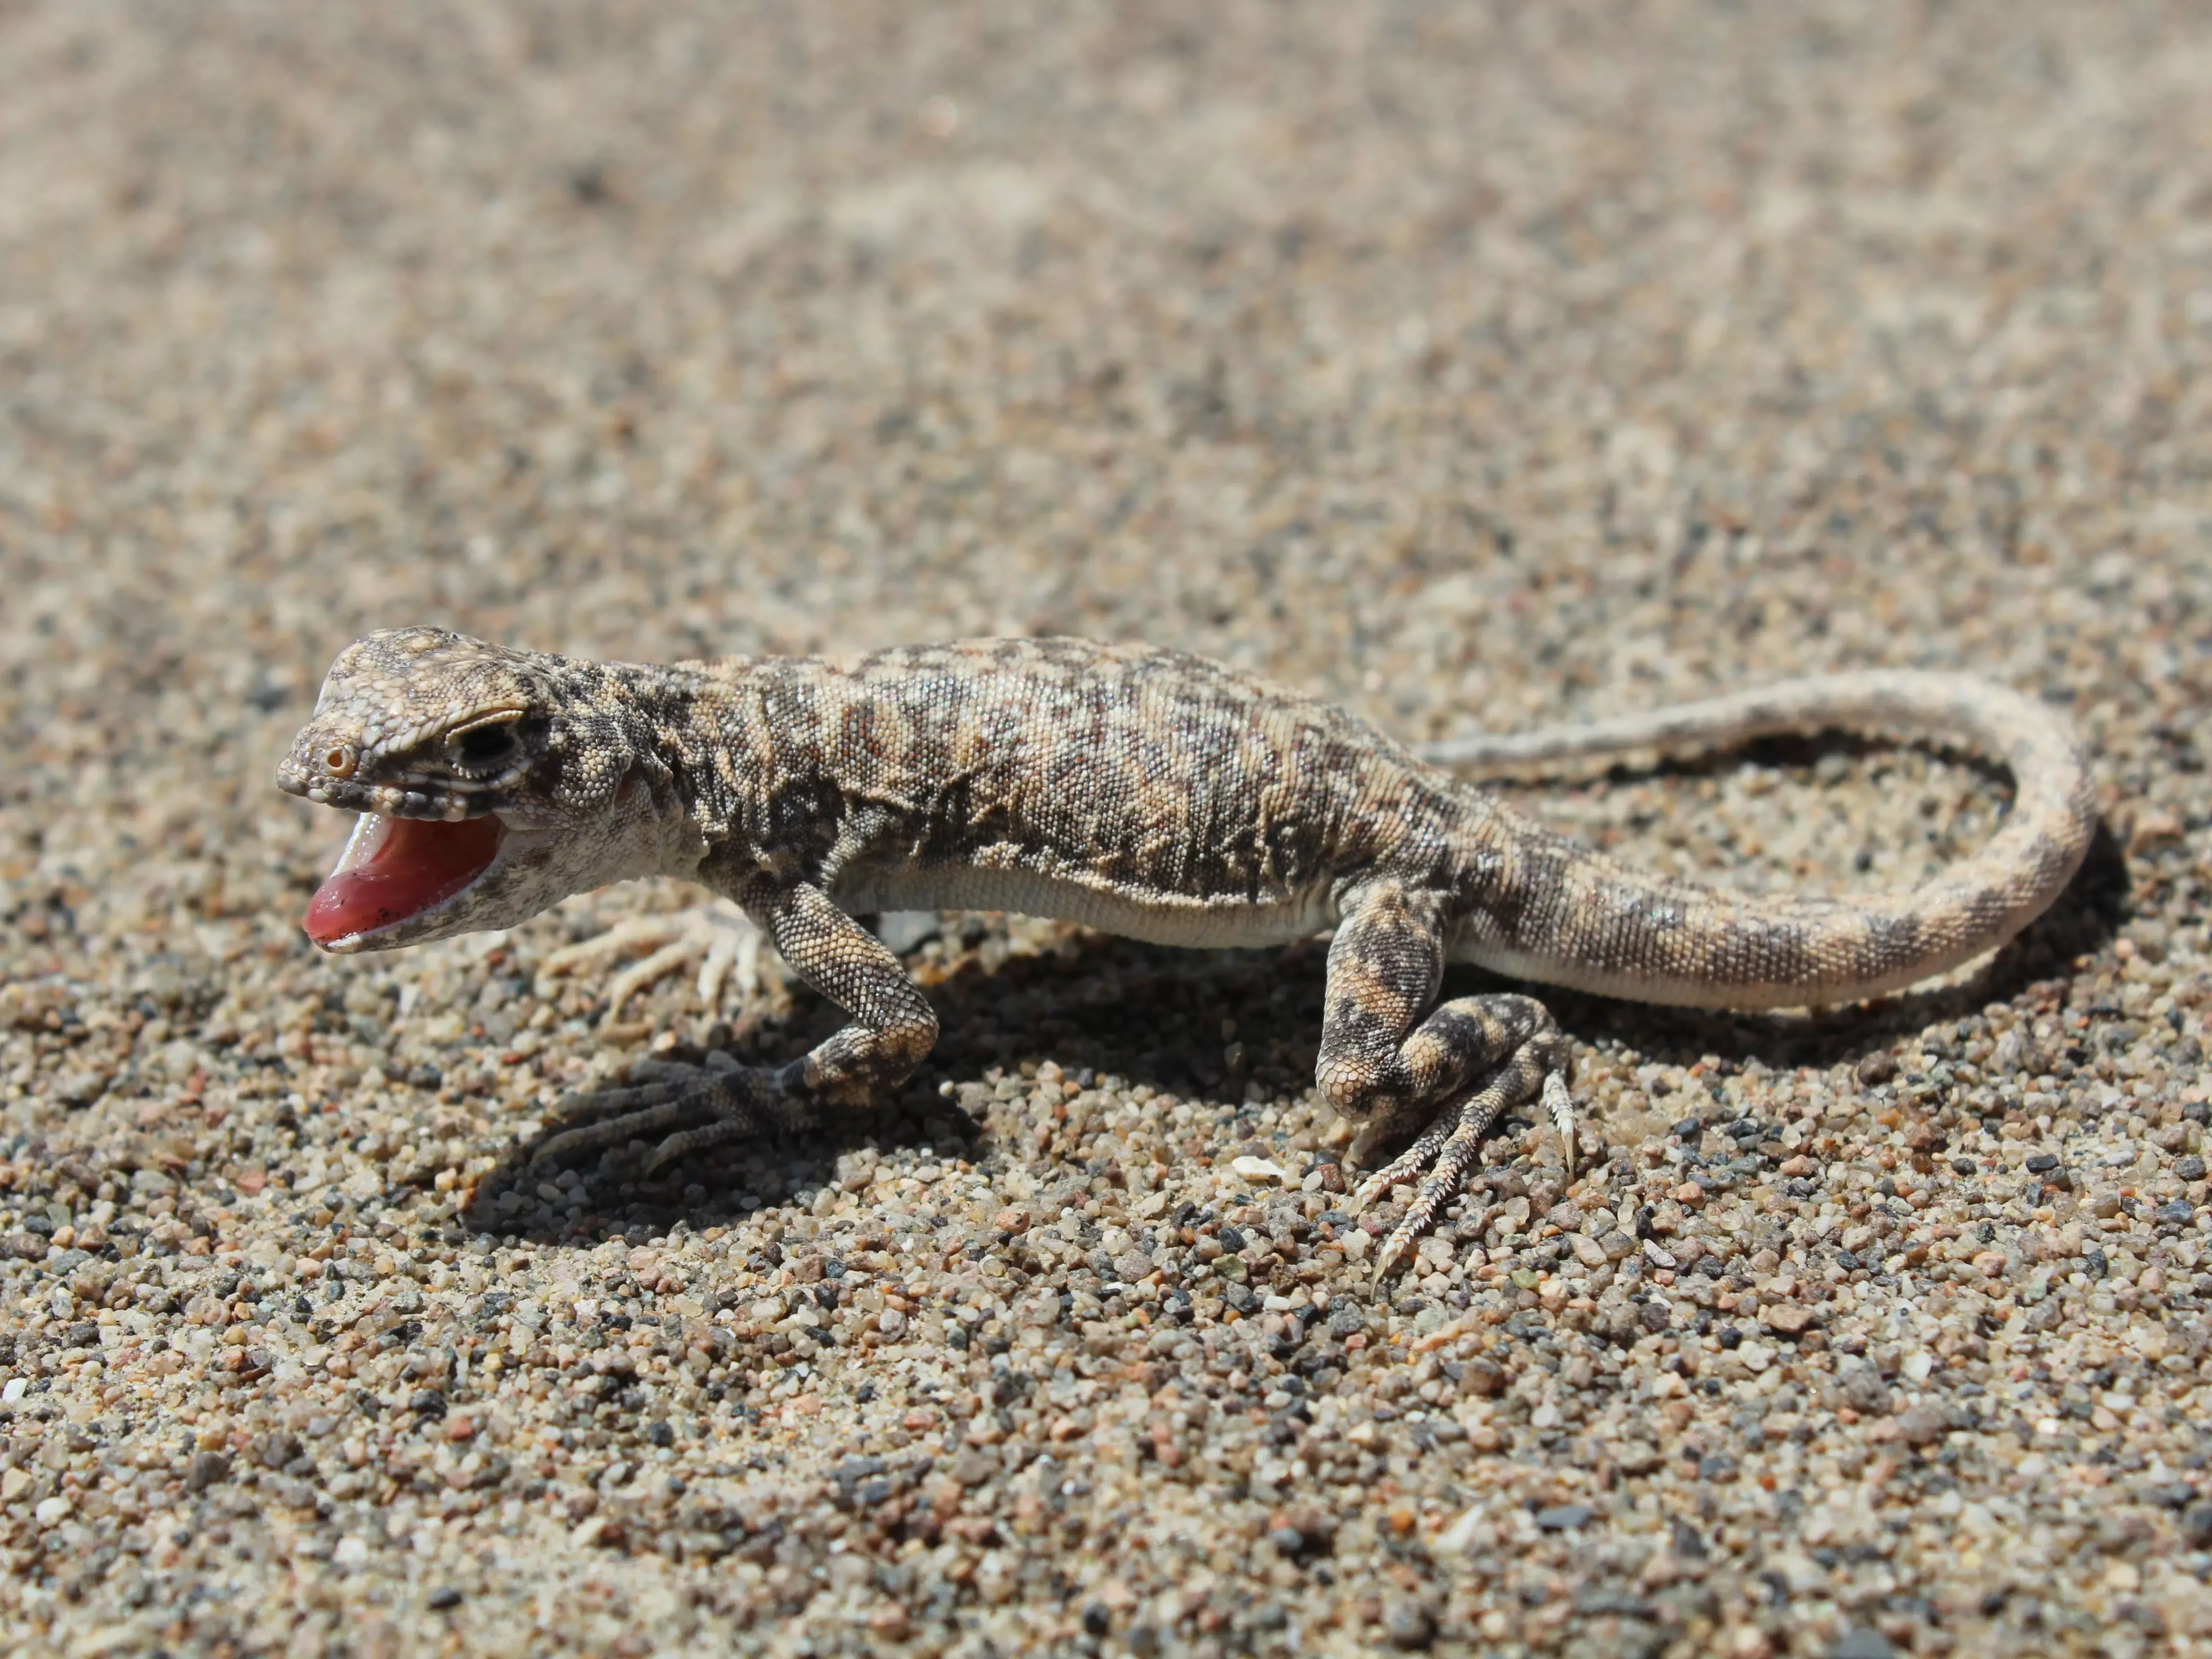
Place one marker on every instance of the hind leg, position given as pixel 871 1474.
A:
pixel 1450 1074
pixel 1526 1059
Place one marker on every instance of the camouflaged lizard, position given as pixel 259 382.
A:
pixel 1141 791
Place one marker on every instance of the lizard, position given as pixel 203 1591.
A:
pixel 1137 790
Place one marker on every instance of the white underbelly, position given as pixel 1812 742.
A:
pixel 1212 924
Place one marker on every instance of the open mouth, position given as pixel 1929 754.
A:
pixel 394 870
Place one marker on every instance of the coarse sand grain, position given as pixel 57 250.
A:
pixel 1479 366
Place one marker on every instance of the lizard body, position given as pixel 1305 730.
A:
pixel 1139 791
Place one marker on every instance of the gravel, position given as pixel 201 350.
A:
pixel 1471 367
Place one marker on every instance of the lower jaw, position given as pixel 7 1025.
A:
pixel 397 873
pixel 419 928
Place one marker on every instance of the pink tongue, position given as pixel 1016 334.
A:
pixel 410 865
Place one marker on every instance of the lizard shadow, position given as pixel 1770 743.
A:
pixel 1229 1029
pixel 1093 1005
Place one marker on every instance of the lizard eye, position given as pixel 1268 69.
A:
pixel 481 746
pixel 340 759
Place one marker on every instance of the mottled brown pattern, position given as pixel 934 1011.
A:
pixel 1567 916
pixel 1151 793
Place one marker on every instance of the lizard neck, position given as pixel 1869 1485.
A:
pixel 659 726
pixel 705 741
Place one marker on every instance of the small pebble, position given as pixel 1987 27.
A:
pixel 1408 1623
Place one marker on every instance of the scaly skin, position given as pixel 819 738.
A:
pixel 1148 794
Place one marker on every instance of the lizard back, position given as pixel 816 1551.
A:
pixel 1144 791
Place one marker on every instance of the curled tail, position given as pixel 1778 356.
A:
pixel 1548 908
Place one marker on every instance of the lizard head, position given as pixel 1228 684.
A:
pixel 490 784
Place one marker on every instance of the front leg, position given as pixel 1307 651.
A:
pixel 893 1026
pixel 891 1031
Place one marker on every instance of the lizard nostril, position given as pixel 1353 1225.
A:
pixel 339 760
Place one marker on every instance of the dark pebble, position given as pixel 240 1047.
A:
pixel 1877 1068
pixel 205 1469
pixel 1864 1642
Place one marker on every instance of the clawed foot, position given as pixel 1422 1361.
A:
pixel 1448 1148
pixel 721 1100
pixel 717 937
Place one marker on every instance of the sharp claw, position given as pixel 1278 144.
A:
pixel 1393 1251
pixel 1561 1105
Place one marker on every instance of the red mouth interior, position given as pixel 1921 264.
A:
pixel 396 868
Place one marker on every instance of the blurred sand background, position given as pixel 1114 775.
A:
pixel 1475 365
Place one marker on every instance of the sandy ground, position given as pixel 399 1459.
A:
pixel 1476 366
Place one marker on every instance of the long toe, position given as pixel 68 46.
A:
pixel 1444 1183
pixel 611 1132
pixel 735 1127
pixel 1561 1105
pixel 663 1071
pixel 682 953
pixel 608 1104
pixel 625 936
pixel 1409 1163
